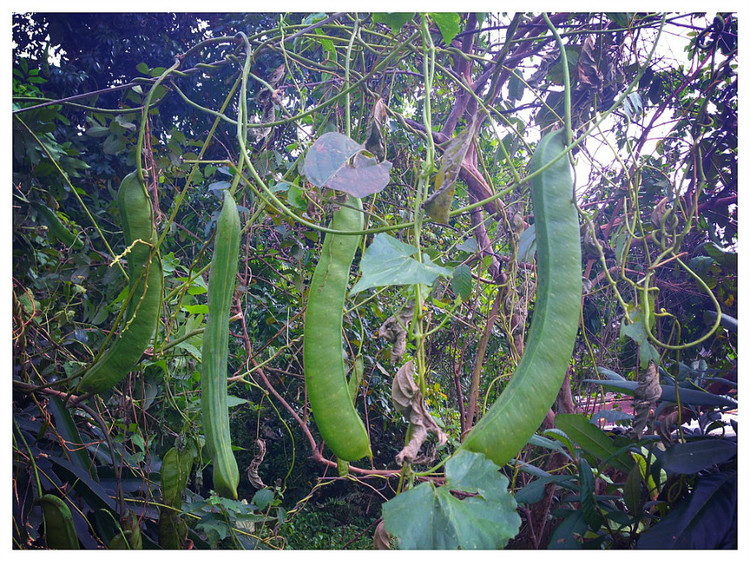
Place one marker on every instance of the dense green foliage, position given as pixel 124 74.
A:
pixel 432 120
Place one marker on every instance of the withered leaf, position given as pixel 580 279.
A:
pixel 437 206
pixel 588 68
pixel 395 329
pixel 409 401
pixel 381 539
pixel 252 469
pixel 646 394
pixel 375 141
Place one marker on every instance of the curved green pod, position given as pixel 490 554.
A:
pixel 141 317
pixel 325 372
pixel 60 231
pixel 215 353
pixel 521 408
pixel 59 530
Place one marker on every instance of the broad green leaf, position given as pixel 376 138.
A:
pixel 535 490
pixel 562 437
pixel 113 145
pixel 636 331
pixel 469 245
pixel 610 416
pixel 263 498
pixel 621 18
pixel 552 111
pixel 233 401
pixel 632 493
pixel 462 281
pixel 196 308
pixel 591 439
pixel 97 131
pixel 610 374
pixel 314 18
pixel 430 518
pixel 726 258
pixel 567 531
pixel 545 442
pixel 449 24
pixel 394 20
pixel 198 286
pixel 388 261
pixel 694 456
pixel 729 322
pixel 190 348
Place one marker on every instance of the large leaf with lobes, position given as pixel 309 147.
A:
pixel 473 510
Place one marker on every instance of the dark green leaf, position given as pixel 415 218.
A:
pixel 694 456
pixel 707 519
pixel 567 532
pixel 610 374
pixel 633 491
pixel 515 86
pixel 668 393
pixel 449 24
pixel 588 502
pixel 462 281
pixel 591 439
pixel 394 20
pixel 729 322
pixel 263 498
pixel 534 491
pixel 610 416
pixel 67 429
pixel 97 131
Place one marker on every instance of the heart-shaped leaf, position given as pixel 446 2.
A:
pixel 473 510
pixel 388 261
pixel 334 161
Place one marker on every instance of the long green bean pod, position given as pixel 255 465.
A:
pixel 325 372
pixel 215 353
pixel 516 415
pixel 145 290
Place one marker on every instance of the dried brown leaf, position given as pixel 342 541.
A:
pixel 645 396
pixel 395 329
pixel 382 538
pixel 409 401
pixel 252 469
